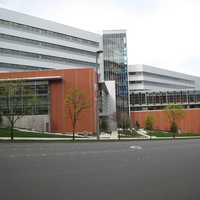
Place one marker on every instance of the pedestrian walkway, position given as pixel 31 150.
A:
pixel 143 133
pixel 114 135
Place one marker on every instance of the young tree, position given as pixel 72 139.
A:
pixel 12 102
pixel 174 113
pixel 1 119
pixel 149 122
pixel 76 102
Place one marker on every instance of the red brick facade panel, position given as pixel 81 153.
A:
pixel 83 79
pixel 189 124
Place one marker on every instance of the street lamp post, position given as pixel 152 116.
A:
pixel 97 95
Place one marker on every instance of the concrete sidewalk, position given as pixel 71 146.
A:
pixel 114 135
pixel 112 138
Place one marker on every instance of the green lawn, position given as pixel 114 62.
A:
pixel 170 134
pixel 5 132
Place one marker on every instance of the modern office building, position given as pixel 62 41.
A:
pixel 31 43
pixel 116 68
pixel 148 78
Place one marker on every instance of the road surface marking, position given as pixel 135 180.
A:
pixel 135 147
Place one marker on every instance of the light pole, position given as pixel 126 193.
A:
pixel 97 95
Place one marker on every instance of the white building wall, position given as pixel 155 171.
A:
pixel 111 104
pixel 144 77
pixel 37 29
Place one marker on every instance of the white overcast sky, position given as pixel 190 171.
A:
pixel 162 33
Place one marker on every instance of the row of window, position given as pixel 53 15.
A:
pixel 45 45
pixel 133 73
pixel 165 98
pixel 24 97
pixel 48 33
pixel 45 57
pixel 28 110
pixel 135 82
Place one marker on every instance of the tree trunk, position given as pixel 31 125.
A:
pixel 174 135
pixel 73 135
pixel 73 131
pixel 12 133
pixel 118 135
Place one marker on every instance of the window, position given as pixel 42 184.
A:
pixel 132 73
pixel 24 101
pixel 135 82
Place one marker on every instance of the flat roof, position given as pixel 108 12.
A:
pixel 34 78
pixel 26 19
pixel 117 31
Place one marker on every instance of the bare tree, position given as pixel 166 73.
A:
pixel 76 102
pixel 11 102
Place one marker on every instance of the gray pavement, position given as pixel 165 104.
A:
pixel 106 170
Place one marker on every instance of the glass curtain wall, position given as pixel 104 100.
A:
pixel 115 68
pixel 30 98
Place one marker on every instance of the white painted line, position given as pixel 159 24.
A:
pixel 135 147
pixel 44 154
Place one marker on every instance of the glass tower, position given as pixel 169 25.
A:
pixel 116 68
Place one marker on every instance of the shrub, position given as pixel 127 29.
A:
pixel 174 128
pixel 103 125
pixel 149 122
pixel 175 113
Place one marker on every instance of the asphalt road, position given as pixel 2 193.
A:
pixel 97 171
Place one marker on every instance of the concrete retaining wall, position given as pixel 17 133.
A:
pixel 30 122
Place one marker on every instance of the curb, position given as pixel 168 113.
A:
pixel 23 139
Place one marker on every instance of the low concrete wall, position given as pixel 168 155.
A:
pixel 30 122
